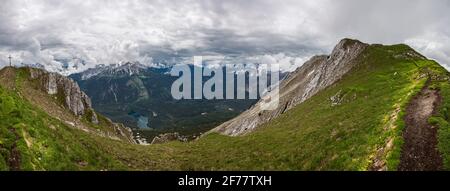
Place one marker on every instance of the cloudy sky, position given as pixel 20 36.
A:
pixel 78 34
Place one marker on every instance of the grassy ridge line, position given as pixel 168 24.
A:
pixel 437 78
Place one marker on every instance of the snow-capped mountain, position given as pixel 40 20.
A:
pixel 126 69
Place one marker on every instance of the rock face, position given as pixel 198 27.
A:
pixel 167 137
pixel 66 89
pixel 315 75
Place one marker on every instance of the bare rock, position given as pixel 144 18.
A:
pixel 337 98
pixel 167 137
pixel 94 118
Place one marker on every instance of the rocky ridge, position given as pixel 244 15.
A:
pixel 315 75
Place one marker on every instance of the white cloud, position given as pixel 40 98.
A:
pixel 435 46
pixel 79 34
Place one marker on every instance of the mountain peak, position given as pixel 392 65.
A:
pixel 347 44
pixel 128 68
pixel 315 75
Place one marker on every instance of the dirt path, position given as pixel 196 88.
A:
pixel 14 158
pixel 419 151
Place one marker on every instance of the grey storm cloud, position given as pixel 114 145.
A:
pixel 70 36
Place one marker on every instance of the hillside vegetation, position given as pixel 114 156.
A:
pixel 355 124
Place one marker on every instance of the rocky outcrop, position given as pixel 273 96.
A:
pixel 66 90
pixel 167 137
pixel 123 132
pixel 315 75
pixel 68 95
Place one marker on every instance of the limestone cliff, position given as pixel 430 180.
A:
pixel 74 99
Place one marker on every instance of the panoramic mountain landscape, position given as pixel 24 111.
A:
pixel 358 108
pixel 233 88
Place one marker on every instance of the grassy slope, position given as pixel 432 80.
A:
pixel 44 142
pixel 312 136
